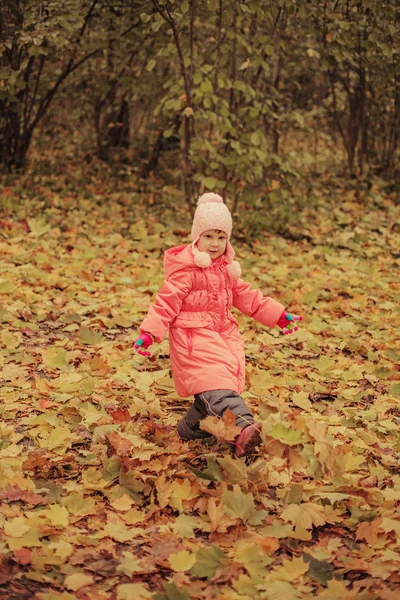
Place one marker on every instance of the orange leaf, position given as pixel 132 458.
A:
pixel 224 428
pixel 369 531
pixel 23 555
pixel 118 445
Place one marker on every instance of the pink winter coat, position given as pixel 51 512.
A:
pixel 206 348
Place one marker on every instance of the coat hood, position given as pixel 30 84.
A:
pixel 181 257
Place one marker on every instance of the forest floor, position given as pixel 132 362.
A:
pixel 99 497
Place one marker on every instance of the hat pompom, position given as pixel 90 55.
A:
pixel 209 197
pixel 202 259
pixel 234 269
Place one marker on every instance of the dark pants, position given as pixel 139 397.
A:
pixel 214 403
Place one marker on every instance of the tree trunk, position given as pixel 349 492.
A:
pixel 118 129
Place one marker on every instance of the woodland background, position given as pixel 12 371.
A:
pixel 114 117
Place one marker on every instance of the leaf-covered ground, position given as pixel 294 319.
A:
pixel 99 497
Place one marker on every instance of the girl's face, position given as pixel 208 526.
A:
pixel 213 242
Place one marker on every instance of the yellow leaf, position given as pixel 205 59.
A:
pixel 304 515
pixel 238 505
pixel 253 557
pixel 181 491
pixel 318 430
pixel 129 565
pixel 369 531
pixel 185 525
pixel 76 581
pixel 30 539
pixel 219 520
pixel 117 530
pixel 182 561
pixel 325 453
pixel 57 515
pixel 122 320
pixel 390 525
pixel 78 505
pixel 87 336
pixel 56 596
pixel 279 531
pixel 134 516
pixel 38 227
pixel 301 400
pixel 55 358
pixel 282 590
pixel 124 503
pixel 223 429
pixel 132 591
pixel 9 340
pixel 323 446
pixel 59 439
pixel 143 380
pixel 12 372
pixel 338 589
pixel 382 569
pixel 291 570
pixel 16 527
pixel 61 549
pixel 261 381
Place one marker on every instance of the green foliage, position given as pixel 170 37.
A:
pixel 224 90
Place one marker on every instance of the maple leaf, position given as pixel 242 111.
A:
pixel 291 569
pixel 76 581
pixel 180 492
pixel 57 515
pixel 279 590
pixel 224 428
pixel 118 445
pixel 87 336
pixel 129 565
pixel 184 526
pixel 55 358
pixel 323 447
pixel 304 515
pixel 285 435
pixel 237 504
pixel 208 560
pixel 16 527
pixel 173 593
pixel 13 493
pixel 219 520
pixel 182 561
pixel 235 470
pixel 253 558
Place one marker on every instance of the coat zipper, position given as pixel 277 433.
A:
pixel 189 340
pixel 221 296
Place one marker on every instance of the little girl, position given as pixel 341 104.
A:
pixel 202 283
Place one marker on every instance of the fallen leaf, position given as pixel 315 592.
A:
pixel 224 428
pixel 76 581
pixel 132 591
pixel 182 561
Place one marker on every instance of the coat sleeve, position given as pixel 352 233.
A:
pixel 167 305
pixel 252 303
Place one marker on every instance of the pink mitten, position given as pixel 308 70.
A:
pixel 144 341
pixel 285 322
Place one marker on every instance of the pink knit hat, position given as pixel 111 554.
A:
pixel 212 213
